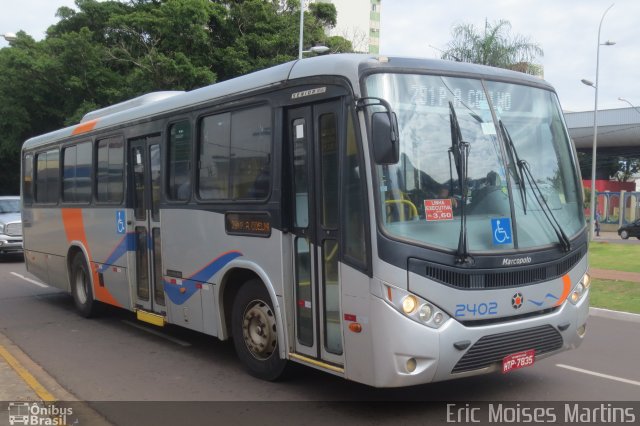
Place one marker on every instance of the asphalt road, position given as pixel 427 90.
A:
pixel 115 358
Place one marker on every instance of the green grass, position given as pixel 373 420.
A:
pixel 618 257
pixel 616 295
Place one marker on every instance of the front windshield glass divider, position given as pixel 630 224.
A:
pixel 505 159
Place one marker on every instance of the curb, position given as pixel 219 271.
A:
pixel 40 384
pixel 619 315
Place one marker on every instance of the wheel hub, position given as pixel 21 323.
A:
pixel 259 330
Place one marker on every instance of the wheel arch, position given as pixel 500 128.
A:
pixel 233 277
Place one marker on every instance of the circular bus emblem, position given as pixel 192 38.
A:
pixel 516 300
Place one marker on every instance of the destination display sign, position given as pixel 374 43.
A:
pixel 250 224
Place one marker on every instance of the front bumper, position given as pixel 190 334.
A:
pixel 435 357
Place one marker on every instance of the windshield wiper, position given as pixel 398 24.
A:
pixel 525 172
pixel 519 165
pixel 460 152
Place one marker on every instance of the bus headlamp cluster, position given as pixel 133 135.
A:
pixel 580 289
pixel 414 307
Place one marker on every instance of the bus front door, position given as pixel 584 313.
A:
pixel 315 136
pixel 145 160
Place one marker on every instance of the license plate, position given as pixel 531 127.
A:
pixel 518 360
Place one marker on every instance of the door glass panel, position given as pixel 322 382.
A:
pixel 154 157
pixel 304 297
pixel 138 183
pixel 331 286
pixel 329 167
pixel 300 173
pixel 158 291
pixel 142 263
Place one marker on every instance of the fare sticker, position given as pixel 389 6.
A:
pixel 438 209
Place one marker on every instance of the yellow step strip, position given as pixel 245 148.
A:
pixel 150 318
pixel 316 363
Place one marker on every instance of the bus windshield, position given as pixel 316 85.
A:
pixel 421 196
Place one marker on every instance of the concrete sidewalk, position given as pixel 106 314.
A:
pixel 24 381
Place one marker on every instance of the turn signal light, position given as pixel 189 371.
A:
pixel 356 327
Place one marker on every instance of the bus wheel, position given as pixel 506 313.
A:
pixel 255 333
pixel 81 287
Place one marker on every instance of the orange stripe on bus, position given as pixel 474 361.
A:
pixel 566 281
pixel 85 127
pixel 74 228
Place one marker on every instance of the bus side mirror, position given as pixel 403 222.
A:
pixel 384 135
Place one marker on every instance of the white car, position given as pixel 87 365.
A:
pixel 10 225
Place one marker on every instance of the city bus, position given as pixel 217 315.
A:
pixel 391 221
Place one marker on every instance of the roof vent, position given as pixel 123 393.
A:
pixel 149 98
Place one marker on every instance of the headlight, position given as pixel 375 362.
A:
pixel 409 304
pixel 580 289
pixel 414 307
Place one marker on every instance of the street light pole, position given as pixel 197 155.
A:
pixel 301 29
pixel 9 37
pixel 632 105
pixel 595 131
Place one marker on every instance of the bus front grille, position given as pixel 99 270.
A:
pixel 493 348
pixel 478 279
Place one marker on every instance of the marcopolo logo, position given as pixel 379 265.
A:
pixel 37 413
pixel 516 261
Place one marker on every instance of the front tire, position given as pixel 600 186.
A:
pixel 255 332
pixel 81 287
pixel 624 234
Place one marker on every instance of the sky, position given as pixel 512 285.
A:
pixel 567 31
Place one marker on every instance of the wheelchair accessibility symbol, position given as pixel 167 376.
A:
pixel 120 222
pixel 501 230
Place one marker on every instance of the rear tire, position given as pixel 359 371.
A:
pixel 624 234
pixel 81 287
pixel 255 332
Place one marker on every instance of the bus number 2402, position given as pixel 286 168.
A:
pixel 476 309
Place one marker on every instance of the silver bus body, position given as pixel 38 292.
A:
pixel 333 309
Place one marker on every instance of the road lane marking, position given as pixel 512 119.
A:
pixel 156 333
pixel 604 376
pixel 39 284
pixel 28 378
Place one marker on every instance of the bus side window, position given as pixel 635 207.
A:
pixel 47 177
pixel 110 170
pixel 27 179
pixel 179 186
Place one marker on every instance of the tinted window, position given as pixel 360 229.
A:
pixel 328 139
pixel 353 199
pixel 27 179
pixel 213 170
pixel 250 153
pixel 180 161
pixel 109 173
pixel 47 177
pixel 76 175
pixel 235 155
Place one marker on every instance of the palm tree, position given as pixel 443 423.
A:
pixel 495 47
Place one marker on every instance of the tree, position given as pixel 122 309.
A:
pixel 109 51
pixel 495 46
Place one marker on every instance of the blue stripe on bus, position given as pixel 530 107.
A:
pixel 127 243
pixel 204 275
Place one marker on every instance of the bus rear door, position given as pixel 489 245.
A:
pixel 145 161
